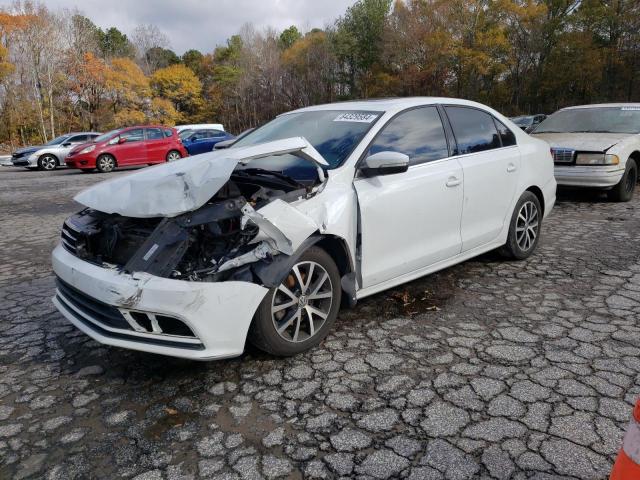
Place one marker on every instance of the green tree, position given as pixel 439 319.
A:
pixel 193 59
pixel 160 57
pixel 288 37
pixel 114 43
pixel 358 42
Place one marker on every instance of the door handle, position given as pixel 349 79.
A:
pixel 511 167
pixel 453 181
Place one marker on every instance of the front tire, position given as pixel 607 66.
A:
pixel 524 228
pixel 299 313
pixel 623 191
pixel 105 163
pixel 47 162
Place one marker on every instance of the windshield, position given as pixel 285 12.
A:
pixel 58 140
pixel 333 133
pixel 107 136
pixel 593 120
pixel 526 120
pixel 185 133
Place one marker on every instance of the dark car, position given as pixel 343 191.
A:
pixel 528 122
pixel 140 145
pixel 203 140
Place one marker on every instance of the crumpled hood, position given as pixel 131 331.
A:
pixel 588 142
pixel 174 188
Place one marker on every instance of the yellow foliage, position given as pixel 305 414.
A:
pixel 127 82
pixel 128 117
pixel 161 111
pixel 178 84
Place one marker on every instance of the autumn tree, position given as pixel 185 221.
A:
pixel 88 83
pixel 179 85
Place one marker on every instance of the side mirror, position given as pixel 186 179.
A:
pixel 121 140
pixel 385 163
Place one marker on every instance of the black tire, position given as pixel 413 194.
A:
pixel 47 162
pixel 263 333
pixel 623 191
pixel 106 163
pixel 517 246
pixel 172 154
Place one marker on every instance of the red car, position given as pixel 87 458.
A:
pixel 128 146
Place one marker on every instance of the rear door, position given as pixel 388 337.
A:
pixel 410 220
pixel 156 145
pixel 490 162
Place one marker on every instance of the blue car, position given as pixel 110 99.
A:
pixel 201 141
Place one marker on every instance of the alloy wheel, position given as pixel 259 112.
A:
pixel 106 164
pixel 48 162
pixel 527 225
pixel 173 156
pixel 302 302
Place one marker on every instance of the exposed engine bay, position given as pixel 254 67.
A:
pixel 216 242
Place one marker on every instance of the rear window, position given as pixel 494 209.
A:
pixel 506 135
pixel 474 130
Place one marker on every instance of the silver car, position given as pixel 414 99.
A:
pixel 52 154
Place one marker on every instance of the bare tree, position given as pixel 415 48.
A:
pixel 146 37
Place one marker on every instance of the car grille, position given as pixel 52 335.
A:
pixel 17 155
pixel 69 238
pixel 128 325
pixel 563 155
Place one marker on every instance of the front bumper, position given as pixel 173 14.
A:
pixel 81 161
pixel 24 162
pixel 588 176
pixel 218 314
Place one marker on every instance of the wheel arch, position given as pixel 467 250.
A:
pixel 109 154
pixel 635 156
pixel 537 191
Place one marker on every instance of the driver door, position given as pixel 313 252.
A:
pixel 410 220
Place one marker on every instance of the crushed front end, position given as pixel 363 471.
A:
pixel 186 285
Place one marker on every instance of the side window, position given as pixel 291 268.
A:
pixel 154 134
pixel 134 135
pixel 77 139
pixel 168 132
pixel 417 133
pixel 216 134
pixel 474 129
pixel 506 136
pixel 92 137
pixel 199 135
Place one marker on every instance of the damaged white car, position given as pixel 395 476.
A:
pixel 316 209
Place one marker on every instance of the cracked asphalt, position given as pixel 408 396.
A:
pixel 489 369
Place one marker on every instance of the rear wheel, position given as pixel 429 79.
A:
pixel 173 155
pixel 47 162
pixel 298 314
pixel 524 229
pixel 623 191
pixel 106 163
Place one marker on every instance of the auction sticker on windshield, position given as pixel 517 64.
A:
pixel 361 117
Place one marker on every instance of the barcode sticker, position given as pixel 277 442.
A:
pixel 356 117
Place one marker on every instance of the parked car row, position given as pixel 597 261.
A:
pixel 137 145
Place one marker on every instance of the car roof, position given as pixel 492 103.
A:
pixel 390 104
pixel 604 105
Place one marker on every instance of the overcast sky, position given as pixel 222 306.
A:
pixel 203 24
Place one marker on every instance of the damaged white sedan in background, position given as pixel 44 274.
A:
pixel 316 209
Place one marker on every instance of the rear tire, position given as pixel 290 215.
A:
pixel 105 163
pixel 299 313
pixel 173 155
pixel 47 162
pixel 623 191
pixel 524 229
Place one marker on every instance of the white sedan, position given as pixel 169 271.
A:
pixel 596 146
pixel 316 209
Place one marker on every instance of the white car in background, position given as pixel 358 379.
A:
pixel 319 207
pixel 199 126
pixel 53 154
pixel 595 146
